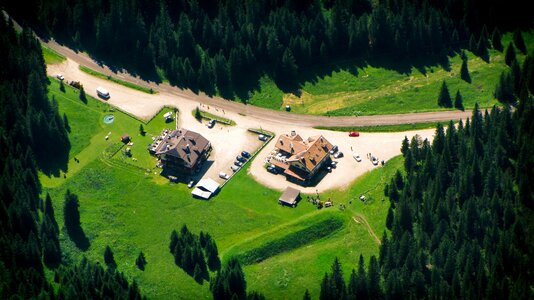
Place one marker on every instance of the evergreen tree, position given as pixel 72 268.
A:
pixel 141 130
pixel 510 56
pixel 444 99
pixel 109 259
pixel 464 71
pixel 140 262
pixel 70 211
pixel 496 40
pixel 504 91
pixel 82 95
pixel 198 115
pixel 390 219
pixel 61 86
pixel 519 42
pixel 306 295
pixel 458 101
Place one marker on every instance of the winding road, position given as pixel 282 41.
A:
pixel 259 113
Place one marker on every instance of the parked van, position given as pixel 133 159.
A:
pixel 102 93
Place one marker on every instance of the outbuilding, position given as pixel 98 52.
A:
pixel 290 197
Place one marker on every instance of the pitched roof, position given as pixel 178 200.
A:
pixel 208 184
pixel 184 144
pixel 289 196
pixel 309 152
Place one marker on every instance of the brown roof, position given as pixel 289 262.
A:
pixel 309 152
pixel 183 144
pixel 290 195
pixel 294 172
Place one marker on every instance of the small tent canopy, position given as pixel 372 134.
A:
pixel 125 138
pixel 205 188
pixel 290 197
pixel 168 115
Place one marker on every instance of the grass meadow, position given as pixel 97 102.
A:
pixel 132 210
pixel 371 89
pixel 50 56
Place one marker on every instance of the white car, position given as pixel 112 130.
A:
pixel 60 77
pixel 357 157
pixel 224 175
pixel 234 168
pixel 262 137
pixel 338 154
pixel 191 184
pixel 374 160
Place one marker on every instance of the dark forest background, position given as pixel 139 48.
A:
pixel 225 46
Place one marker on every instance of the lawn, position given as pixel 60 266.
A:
pixel 385 128
pixel 50 56
pixel 116 80
pixel 132 210
pixel 373 89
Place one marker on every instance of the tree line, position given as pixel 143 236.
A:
pixel 459 216
pixel 32 137
pixel 194 253
pixel 226 46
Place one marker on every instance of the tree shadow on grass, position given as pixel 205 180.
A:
pixel 77 235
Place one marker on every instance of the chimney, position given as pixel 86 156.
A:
pixel 291 146
pixel 293 133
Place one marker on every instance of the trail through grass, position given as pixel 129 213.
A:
pixel 116 80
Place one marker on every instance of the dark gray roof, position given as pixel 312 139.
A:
pixel 183 144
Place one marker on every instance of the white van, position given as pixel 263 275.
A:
pixel 102 93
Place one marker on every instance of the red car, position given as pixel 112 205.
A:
pixel 354 133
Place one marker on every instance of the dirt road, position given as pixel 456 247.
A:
pixel 272 116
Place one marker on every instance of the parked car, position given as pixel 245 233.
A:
pixel 238 163
pixel 60 77
pixel 374 160
pixel 241 158
pixel 338 154
pixel 245 154
pixel 262 137
pixel 224 176
pixel 333 164
pixel 272 169
pixel 191 184
pixel 329 169
pixel 357 157
pixel 234 168
pixel 334 150
pixel 354 134
pixel 211 123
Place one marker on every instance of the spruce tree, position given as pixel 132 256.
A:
pixel 464 71
pixel 390 219
pixel 198 115
pixel 140 262
pixel 82 95
pixel 509 56
pixel 519 42
pixel 109 259
pixel 504 91
pixel 61 86
pixel 70 211
pixel 496 40
pixel 141 130
pixel 458 101
pixel 444 99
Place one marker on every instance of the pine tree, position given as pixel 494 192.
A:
pixel 109 259
pixel 444 99
pixel 464 71
pixel 140 262
pixel 70 211
pixel 458 101
pixel 306 295
pixel 82 95
pixel 390 219
pixel 504 91
pixel 61 86
pixel 496 40
pixel 141 130
pixel 519 42
pixel 510 56
pixel 375 291
pixel 198 115
pixel 197 274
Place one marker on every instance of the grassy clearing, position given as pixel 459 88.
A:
pixel 373 90
pixel 51 57
pixel 209 116
pixel 385 128
pixel 116 80
pixel 132 210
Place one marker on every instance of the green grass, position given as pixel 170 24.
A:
pixel 385 128
pixel 375 90
pixel 132 210
pixel 209 116
pixel 116 80
pixel 50 56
